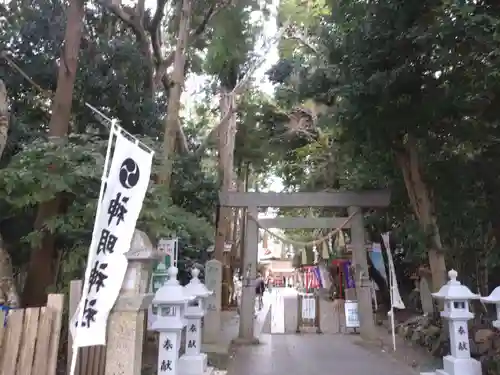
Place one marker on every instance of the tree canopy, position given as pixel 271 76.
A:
pixel 387 94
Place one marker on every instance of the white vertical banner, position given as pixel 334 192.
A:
pixel 396 299
pixel 123 191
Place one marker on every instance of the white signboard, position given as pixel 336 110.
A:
pixel 351 314
pixel 120 203
pixel 168 247
pixel 308 306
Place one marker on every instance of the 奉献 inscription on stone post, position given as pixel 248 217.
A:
pixel 212 319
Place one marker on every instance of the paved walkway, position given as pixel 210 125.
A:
pixel 312 354
pixel 284 353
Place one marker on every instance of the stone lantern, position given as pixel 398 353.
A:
pixel 456 310
pixel 158 278
pixel 125 334
pixel 171 301
pixel 494 297
pixel 193 362
pixel 141 257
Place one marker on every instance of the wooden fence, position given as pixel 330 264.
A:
pixel 29 341
pixel 92 359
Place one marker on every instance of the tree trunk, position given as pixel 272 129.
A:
pixel 175 92
pixel 4 117
pixel 420 196
pixel 8 291
pixel 41 266
pixel 237 237
pixel 244 220
pixel 227 134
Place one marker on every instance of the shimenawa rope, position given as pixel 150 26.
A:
pixel 304 244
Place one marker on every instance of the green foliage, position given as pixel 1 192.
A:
pixel 386 70
pixel 305 17
pixel 73 170
pixel 232 41
pixel 260 137
pixel 111 75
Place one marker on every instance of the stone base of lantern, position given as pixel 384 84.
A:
pixel 458 366
pixel 194 364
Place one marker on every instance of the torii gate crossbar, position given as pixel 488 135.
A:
pixel 353 200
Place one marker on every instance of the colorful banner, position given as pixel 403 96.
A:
pixel 311 281
pixel 348 274
pixel 122 193
pixel 317 275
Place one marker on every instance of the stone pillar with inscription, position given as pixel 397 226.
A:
pixel 126 321
pixel 212 320
pixel 171 300
pixel 456 310
pixel 193 362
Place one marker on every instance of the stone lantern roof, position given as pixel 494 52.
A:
pixel 454 290
pixel 494 297
pixel 195 287
pixel 172 292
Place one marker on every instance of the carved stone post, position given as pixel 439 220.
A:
pixel 362 280
pixel 212 319
pixel 126 321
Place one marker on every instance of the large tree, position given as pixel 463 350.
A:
pixel 405 86
pixel 114 69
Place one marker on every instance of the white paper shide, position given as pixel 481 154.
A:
pixel 122 195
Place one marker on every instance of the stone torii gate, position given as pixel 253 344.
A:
pixel 354 201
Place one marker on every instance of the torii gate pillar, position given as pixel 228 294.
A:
pixel 351 199
pixel 250 258
pixel 362 278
